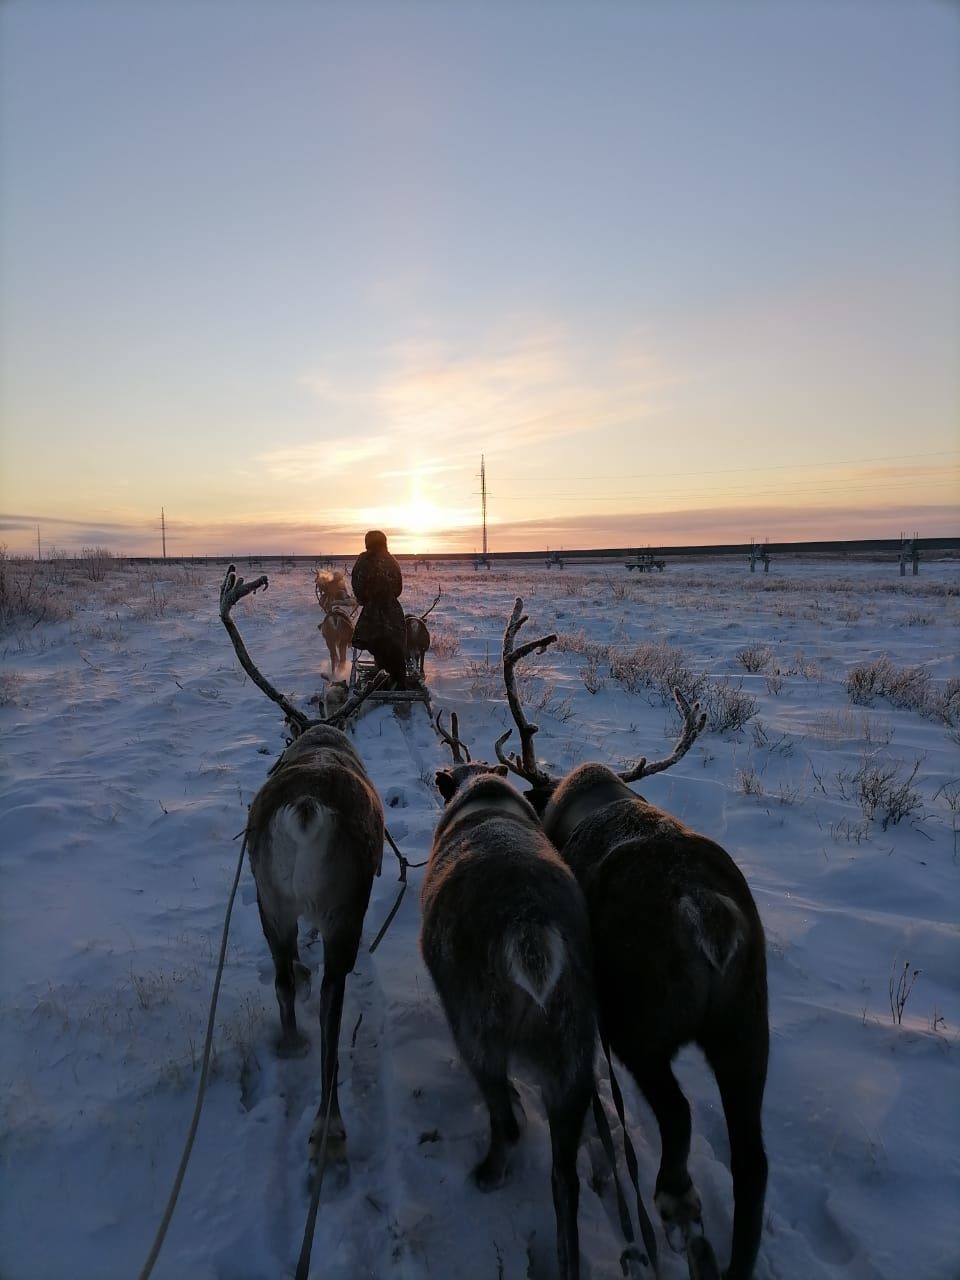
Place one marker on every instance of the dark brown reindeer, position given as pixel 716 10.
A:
pixel 315 835
pixel 680 959
pixel 507 942
pixel 418 637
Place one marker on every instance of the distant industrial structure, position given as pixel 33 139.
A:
pixel 483 561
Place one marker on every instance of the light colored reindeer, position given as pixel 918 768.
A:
pixel 680 958
pixel 337 631
pixel 507 942
pixel 315 836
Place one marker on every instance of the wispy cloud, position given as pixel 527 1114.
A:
pixel 525 390
pixel 521 387
pixel 317 462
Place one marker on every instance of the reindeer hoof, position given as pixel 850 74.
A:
pixel 681 1216
pixel 490 1175
pixel 293 1046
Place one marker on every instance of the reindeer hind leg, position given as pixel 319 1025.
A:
pixel 740 1069
pixel 676 1197
pixel 339 956
pixel 566 1125
pixel 281 936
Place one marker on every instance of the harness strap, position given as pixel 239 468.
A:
pixel 631 1253
pixel 404 864
pixel 630 1154
pixel 303 1262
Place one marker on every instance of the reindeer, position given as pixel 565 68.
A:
pixel 333 597
pixel 337 630
pixel 315 835
pixel 331 590
pixel 418 637
pixel 507 942
pixel 680 958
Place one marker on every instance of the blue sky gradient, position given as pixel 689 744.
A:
pixel 682 272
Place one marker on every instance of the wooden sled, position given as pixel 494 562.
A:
pixel 363 670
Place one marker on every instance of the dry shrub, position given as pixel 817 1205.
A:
pixel 728 708
pixel 774 682
pixel 754 657
pixel 10 686
pixel 884 793
pixel 593 681
pixel 577 642
pixel 749 782
pixel 658 667
pixel 806 668
pixel 444 642
pixel 907 687
pixel 95 562
pixel 26 595
pixel 947 701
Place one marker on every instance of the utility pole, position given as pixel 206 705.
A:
pixel 39 556
pixel 483 502
pixel 163 532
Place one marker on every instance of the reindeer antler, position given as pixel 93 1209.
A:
pixel 452 739
pixel 526 766
pixel 434 605
pixel 233 589
pixel 693 721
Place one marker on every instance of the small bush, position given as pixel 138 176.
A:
pixel 774 682
pixel 946 702
pixel 749 782
pixel 906 687
pixel 659 667
pixel 754 657
pixel 444 642
pixel 95 562
pixel 577 642
pixel 728 708
pixel 10 683
pixel 593 681
pixel 884 793
pixel 25 594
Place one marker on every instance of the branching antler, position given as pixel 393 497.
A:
pixel 526 765
pixel 452 739
pixel 693 721
pixel 233 589
pixel 434 605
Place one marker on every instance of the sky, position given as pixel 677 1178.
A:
pixel 681 273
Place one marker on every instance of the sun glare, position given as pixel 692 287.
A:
pixel 415 522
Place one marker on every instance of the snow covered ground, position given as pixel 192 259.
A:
pixel 132 744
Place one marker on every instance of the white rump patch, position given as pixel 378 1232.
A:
pixel 539 985
pixel 732 933
pixel 299 856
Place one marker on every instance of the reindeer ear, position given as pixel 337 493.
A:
pixel 501 769
pixel 446 783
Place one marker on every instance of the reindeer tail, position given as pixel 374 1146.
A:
pixel 536 957
pixel 305 830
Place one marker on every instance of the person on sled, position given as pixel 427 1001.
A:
pixel 377 583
